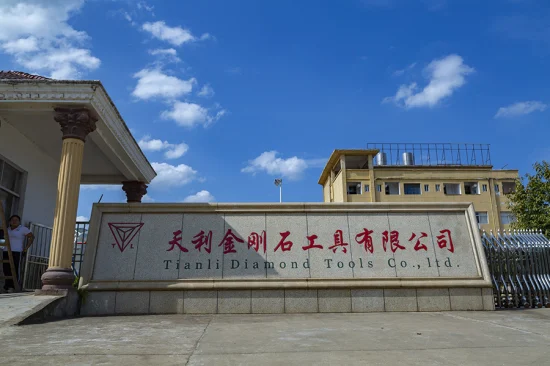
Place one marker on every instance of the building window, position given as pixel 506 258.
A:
pixel 470 188
pixel 482 218
pixel 10 187
pixel 497 189
pixel 379 187
pixel 392 188
pixel 484 188
pixel 508 187
pixel 426 187
pixel 412 188
pixel 367 188
pixel 354 188
pixel 507 217
pixel 438 187
pixel 451 188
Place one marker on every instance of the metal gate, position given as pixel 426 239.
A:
pixel 36 259
pixel 38 255
pixel 519 263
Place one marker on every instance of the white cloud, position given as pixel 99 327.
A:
pixel 191 114
pixel 172 175
pixel 521 108
pixel 21 45
pixel 234 70
pixel 173 35
pixel 82 218
pixel 147 198
pixel 154 83
pixel 206 91
pixel 176 151
pixel 403 71
pixel 63 63
pixel 202 196
pixel 268 161
pixel 171 151
pixel 142 5
pixel 37 35
pixel 128 17
pixel 166 54
pixel 445 76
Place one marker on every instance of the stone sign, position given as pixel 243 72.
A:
pixel 298 245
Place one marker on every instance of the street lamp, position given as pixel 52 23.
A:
pixel 279 183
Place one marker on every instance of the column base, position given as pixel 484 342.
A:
pixel 58 279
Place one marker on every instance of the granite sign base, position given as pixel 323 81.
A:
pixel 283 258
pixel 287 301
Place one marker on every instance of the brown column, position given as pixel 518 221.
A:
pixel 135 190
pixel 75 124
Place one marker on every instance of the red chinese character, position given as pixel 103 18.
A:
pixel 365 239
pixel 176 241
pixel 203 240
pixel 255 240
pixel 419 246
pixel 339 242
pixel 228 242
pixel 393 239
pixel 445 240
pixel 284 245
pixel 312 244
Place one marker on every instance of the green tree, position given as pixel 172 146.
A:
pixel 530 203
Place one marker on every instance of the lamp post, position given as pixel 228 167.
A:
pixel 279 183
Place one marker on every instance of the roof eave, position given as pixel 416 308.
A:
pixel 98 97
pixel 333 159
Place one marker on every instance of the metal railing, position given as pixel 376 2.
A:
pixel 519 263
pixel 37 256
pixel 80 238
pixel 435 154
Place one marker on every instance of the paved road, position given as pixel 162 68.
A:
pixel 453 338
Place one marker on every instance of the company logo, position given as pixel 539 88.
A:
pixel 124 233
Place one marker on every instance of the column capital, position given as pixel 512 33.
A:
pixel 75 123
pixel 135 190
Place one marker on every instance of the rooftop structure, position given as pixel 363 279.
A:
pixel 422 172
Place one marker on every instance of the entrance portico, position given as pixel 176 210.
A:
pixel 94 147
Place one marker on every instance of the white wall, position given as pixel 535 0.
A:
pixel 42 171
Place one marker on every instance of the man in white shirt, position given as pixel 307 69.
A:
pixel 18 235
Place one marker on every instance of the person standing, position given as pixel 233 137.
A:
pixel 18 235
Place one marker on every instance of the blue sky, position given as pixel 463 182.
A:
pixel 225 96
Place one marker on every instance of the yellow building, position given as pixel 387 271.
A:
pixel 369 176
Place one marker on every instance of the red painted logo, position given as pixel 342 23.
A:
pixel 124 233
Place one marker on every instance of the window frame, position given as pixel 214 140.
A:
pixel 415 186
pixel 470 185
pixel 445 190
pixel 393 184
pixel 513 187
pixel 357 185
pixel 479 215
pixel 16 197
pixel 510 215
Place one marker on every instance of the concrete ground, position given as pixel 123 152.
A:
pixel 520 337
pixel 16 307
